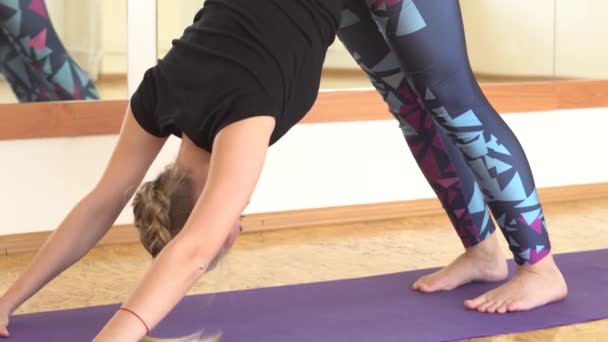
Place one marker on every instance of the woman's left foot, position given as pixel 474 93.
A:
pixel 532 286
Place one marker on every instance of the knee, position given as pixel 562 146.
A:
pixel 456 91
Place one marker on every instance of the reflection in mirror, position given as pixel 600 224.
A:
pixel 581 29
pixel 507 41
pixel 62 50
pixel 173 18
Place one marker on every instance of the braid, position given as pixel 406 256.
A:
pixel 161 207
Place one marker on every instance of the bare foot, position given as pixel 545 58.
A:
pixel 531 287
pixel 483 262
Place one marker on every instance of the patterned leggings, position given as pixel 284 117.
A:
pixel 33 59
pixel 414 52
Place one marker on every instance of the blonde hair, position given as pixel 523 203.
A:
pixel 162 207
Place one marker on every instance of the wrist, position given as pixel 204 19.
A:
pixel 7 305
pixel 134 314
pixel 124 326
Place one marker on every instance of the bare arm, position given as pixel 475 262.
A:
pixel 236 163
pixel 92 217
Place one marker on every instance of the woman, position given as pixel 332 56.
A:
pixel 203 180
pixel 414 52
pixel 230 87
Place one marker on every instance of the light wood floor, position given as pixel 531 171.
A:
pixel 108 274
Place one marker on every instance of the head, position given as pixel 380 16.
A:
pixel 161 208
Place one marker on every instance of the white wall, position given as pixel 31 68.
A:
pixel 513 37
pixel 172 20
pixel 316 165
pixel 537 38
pixel 581 30
pixel 114 36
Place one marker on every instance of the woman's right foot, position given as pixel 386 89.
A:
pixel 532 286
pixel 483 262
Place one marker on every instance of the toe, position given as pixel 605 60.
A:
pixel 503 307
pixel 424 288
pixel 420 281
pixel 494 307
pixel 425 284
pixel 485 306
pixel 419 285
pixel 512 307
pixel 518 305
pixel 475 302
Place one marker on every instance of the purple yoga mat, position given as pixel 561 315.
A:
pixel 379 308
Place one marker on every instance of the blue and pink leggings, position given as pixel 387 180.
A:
pixel 414 52
pixel 33 59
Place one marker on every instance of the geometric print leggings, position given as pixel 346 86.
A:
pixel 414 53
pixel 33 59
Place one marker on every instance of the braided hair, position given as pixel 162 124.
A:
pixel 161 208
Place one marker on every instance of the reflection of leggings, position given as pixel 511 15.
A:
pixel 428 84
pixel 33 59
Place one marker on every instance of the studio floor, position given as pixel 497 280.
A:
pixel 108 274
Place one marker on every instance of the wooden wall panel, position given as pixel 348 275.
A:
pixel 60 119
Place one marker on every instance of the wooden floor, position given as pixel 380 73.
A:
pixel 108 274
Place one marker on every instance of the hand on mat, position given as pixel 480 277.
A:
pixel 4 319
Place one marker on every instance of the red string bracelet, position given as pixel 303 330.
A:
pixel 136 315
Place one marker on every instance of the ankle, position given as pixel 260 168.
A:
pixel 545 264
pixel 486 248
pixel 6 308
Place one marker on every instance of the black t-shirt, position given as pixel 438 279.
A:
pixel 240 58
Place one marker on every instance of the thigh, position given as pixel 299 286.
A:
pixel 361 36
pixel 425 34
pixel 428 38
